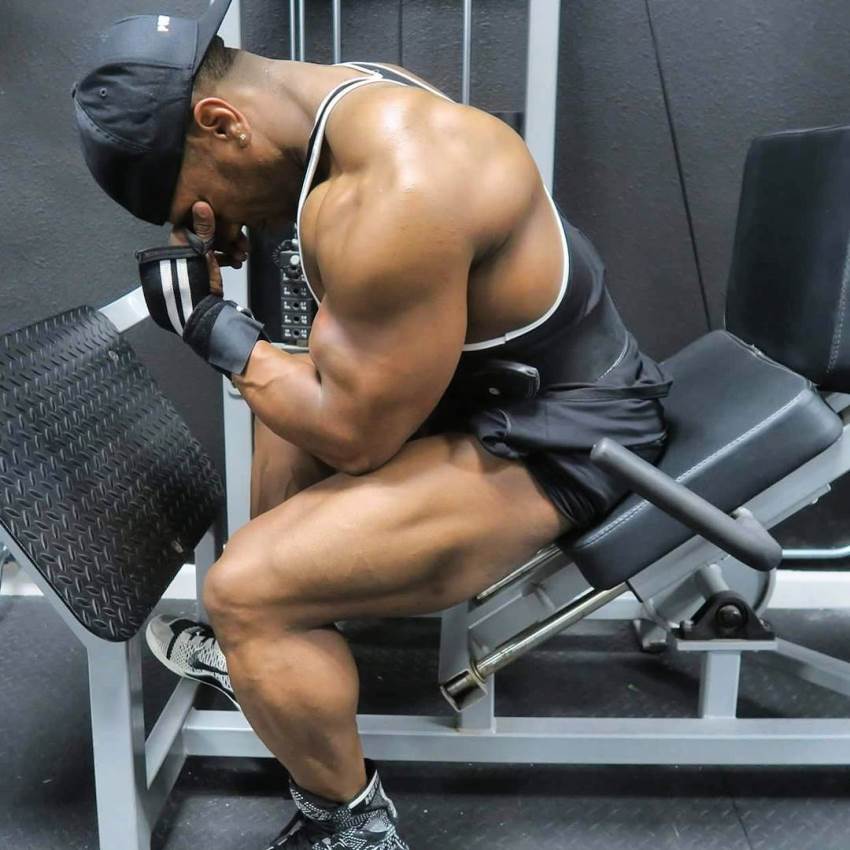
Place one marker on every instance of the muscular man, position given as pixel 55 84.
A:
pixel 401 466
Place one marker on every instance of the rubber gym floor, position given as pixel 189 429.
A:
pixel 46 782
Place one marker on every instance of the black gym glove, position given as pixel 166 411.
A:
pixel 176 286
pixel 174 280
pixel 223 333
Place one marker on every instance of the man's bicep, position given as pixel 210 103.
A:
pixel 387 361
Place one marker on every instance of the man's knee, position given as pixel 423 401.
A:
pixel 231 596
pixel 229 607
pixel 246 592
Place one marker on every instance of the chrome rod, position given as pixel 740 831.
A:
pixel 292 26
pixel 470 685
pixel 538 633
pixel 542 557
pixel 466 75
pixel 836 554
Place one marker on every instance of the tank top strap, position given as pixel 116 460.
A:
pixel 314 145
pixel 392 75
pixel 376 73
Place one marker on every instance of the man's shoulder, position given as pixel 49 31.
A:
pixel 408 154
pixel 377 230
pixel 386 125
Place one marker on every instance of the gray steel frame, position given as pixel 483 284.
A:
pixel 541 84
pixel 134 775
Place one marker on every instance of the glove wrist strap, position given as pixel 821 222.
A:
pixel 223 334
pixel 233 337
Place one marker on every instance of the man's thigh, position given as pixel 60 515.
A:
pixel 434 526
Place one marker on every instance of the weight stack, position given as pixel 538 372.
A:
pixel 297 308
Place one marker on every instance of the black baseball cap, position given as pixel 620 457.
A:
pixel 132 107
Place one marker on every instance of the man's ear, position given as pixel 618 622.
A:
pixel 219 118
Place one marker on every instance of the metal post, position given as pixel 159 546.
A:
pixel 238 439
pixel 206 554
pixel 118 740
pixel 454 656
pixel 337 30
pixel 466 77
pixel 542 84
pixel 292 27
pixel 301 51
pixel 718 692
pixel 231 26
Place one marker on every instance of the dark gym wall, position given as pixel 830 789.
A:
pixel 63 242
pixel 732 70
pixel 615 171
pixel 735 70
pixel 422 35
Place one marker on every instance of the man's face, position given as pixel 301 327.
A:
pixel 233 179
pixel 201 179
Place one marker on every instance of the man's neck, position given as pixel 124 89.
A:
pixel 281 99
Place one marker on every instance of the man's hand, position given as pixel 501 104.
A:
pixel 183 291
pixel 230 244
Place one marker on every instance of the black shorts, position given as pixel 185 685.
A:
pixel 553 433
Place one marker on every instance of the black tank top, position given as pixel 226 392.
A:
pixel 579 340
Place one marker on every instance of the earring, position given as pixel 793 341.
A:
pixel 243 139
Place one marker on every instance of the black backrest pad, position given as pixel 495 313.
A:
pixel 101 483
pixel 788 287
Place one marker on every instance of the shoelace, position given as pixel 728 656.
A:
pixel 296 835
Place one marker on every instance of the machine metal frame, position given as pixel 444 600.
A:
pixel 134 774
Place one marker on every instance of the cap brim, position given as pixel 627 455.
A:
pixel 208 26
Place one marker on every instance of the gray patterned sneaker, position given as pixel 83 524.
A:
pixel 368 822
pixel 190 650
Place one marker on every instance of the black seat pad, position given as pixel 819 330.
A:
pixel 739 422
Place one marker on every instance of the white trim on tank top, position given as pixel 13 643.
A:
pixel 418 83
pixel 325 109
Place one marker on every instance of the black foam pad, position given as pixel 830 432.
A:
pixel 101 483
pixel 789 286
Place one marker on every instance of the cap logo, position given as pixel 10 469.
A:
pixel 163 22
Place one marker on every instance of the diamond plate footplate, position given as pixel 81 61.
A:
pixel 101 483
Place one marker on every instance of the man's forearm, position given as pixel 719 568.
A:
pixel 285 392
